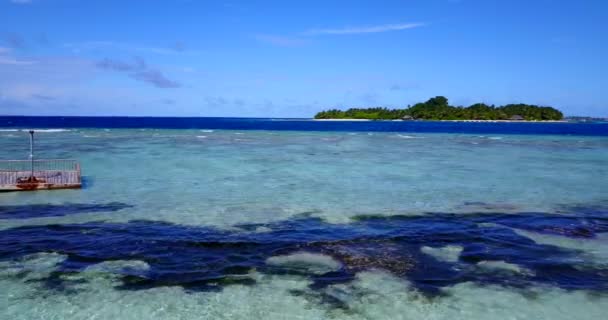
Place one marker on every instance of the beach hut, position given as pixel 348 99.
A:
pixel 516 118
pixel 407 117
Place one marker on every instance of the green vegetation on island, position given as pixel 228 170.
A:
pixel 438 108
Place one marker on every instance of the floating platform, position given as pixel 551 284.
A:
pixel 28 175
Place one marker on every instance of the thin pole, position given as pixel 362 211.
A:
pixel 32 152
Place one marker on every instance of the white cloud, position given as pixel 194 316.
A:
pixel 117 46
pixel 139 70
pixel 33 82
pixel 21 1
pixel 62 85
pixel 285 41
pixel 359 30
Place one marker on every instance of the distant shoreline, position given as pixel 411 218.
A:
pixel 349 120
pixel 438 108
pixel 541 121
pixel 507 121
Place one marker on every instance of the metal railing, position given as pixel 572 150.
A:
pixel 45 165
pixel 55 171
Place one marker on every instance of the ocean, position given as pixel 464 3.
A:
pixel 227 218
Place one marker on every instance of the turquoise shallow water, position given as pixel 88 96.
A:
pixel 223 179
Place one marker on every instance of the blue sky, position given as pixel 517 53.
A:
pixel 292 59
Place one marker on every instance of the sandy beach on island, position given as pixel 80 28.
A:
pixel 343 120
pixel 518 121
pixel 491 121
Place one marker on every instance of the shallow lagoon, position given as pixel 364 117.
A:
pixel 298 224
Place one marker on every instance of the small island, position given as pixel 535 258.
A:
pixel 438 108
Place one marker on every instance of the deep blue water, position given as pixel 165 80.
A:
pixel 588 129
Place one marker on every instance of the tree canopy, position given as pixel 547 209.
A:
pixel 438 108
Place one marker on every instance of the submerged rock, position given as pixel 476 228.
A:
pixel 305 262
pixel 449 253
pixel 40 263
pixel 503 266
pixel 120 267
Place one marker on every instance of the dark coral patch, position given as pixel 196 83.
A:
pixel 203 258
